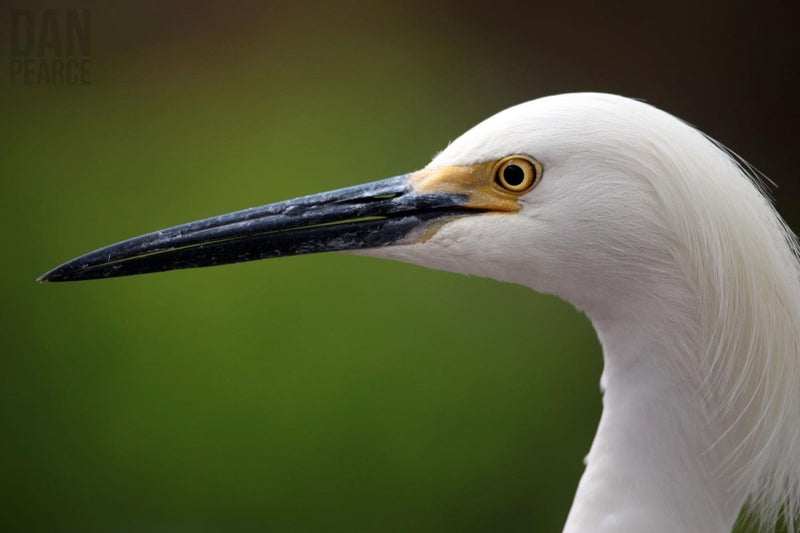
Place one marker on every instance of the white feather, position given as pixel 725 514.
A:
pixel 691 280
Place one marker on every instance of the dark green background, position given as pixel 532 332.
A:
pixel 324 393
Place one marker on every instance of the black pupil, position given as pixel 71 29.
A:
pixel 513 175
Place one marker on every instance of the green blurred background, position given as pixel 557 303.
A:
pixel 322 393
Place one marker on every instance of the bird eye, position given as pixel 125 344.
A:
pixel 518 174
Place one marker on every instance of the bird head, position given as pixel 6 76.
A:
pixel 549 194
pixel 565 198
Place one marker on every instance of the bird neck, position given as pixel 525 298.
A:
pixel 653 465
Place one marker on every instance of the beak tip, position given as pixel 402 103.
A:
pixel 56 274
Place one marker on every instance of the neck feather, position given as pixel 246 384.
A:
pixel 654 463
pixel 701 410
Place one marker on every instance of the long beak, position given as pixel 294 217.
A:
pixel 365 216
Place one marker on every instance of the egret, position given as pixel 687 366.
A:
pixel 660 235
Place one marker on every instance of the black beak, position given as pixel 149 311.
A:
pixel 365 216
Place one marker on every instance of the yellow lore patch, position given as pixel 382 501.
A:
pixel 483 184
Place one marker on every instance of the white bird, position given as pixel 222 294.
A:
pixel 656 232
